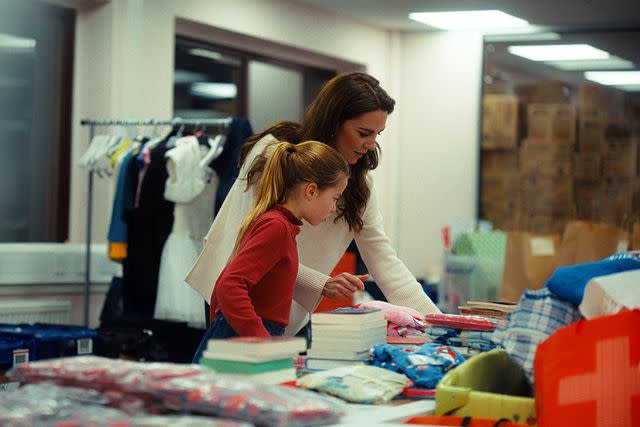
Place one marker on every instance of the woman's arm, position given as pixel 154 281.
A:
pixel 394 279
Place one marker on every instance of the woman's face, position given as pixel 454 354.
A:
pixel 357 136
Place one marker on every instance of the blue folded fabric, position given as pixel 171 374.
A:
pixel 568 282
pixel 425 366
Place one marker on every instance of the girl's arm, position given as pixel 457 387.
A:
pixel 262 250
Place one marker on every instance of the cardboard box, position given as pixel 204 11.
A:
pixel 499 162
pixel 621 159
pixel 500 121
pixel 635 200
pixel 616 201
pixel 546 194
pixel 587 167
pixel 552 92
pixel 591 96
pixel 587 197
pixel 546 157
pixel 591 135
pixel 551 121
pixel 505 187
pixel 504 214
pixel 543 223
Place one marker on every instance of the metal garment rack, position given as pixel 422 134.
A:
pixel 224 122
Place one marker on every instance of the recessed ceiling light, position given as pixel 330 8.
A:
pixel 523 37
pixel 469 20
pixel 614 78
pixel 558 52
pixel 611 63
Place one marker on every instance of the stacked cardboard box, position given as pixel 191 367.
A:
pixel 500 121
pixel 607 157
pixel 579 157
pixel 499 181
pixel 546 168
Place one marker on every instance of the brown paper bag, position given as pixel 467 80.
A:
pixel 635 237
pixel 528 263
pixel 584 242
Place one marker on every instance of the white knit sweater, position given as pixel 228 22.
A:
pixel 320 248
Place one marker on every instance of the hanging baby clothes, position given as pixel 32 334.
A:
pixel 192 185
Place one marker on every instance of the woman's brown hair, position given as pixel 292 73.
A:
pixel 344 97
pixel 287 166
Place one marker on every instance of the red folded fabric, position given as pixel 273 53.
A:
pixel 459 321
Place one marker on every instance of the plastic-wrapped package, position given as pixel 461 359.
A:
pixel 360 383
pixel 187 388
pixel 44 404
pixel 424 365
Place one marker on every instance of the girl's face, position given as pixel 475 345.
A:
pixel 357 136
pixel 322 203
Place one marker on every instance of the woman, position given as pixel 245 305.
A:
pixel 348 114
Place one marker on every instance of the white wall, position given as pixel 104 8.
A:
pixel 438 158
pixel 124 63
pixel 124 68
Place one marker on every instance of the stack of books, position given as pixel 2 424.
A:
pixel 493 309
pixel 264 360
pixel 344 336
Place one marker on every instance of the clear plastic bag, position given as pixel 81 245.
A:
pixel 361 383
pixel 39 405
pixel 186 388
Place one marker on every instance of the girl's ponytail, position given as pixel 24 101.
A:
pixel 272 186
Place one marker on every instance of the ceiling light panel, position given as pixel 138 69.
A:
pixel 614 78
pixel 558 52
pixel 611 63
pixel 469 20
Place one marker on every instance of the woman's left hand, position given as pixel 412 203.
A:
pixel 343 285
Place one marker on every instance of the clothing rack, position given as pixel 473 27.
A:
pixel 219 122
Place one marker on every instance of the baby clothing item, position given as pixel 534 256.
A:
pixel 568 282
pixel 424 365
pixel 402 321
pixel 194 199
pixel 360 384
pixel 539 314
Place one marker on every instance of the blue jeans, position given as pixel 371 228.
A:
pixel 220 328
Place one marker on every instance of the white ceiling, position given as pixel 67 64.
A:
pixel 611 25
pixel 554 14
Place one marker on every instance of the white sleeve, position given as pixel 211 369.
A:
pixel 309 286
pixel 393 278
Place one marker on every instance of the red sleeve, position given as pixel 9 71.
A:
pixel 262 250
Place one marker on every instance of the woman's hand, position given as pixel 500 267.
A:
pixel 343 285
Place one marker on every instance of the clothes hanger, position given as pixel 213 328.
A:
pixel 216 146
pixel 173 138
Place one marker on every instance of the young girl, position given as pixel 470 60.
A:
pixel 253 294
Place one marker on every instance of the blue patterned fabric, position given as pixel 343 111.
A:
pixel 478 340
pixel 424 365
pixel 568 282
pixel 538 314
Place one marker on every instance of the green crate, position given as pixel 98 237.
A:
pixel 489 385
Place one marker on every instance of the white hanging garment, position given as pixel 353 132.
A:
pixel 193 214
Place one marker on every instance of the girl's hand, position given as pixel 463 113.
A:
pixel 343 285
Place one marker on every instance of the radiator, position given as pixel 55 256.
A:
pixel 35 310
